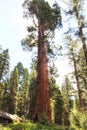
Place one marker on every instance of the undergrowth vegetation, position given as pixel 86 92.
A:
pixel 78 120
pixel 31 126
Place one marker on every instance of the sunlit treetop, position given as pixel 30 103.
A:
pixel 45 14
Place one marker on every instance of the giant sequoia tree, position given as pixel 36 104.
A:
pixel 45 20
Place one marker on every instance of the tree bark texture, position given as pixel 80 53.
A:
pixel 42 88
pixel 83 43
pixel 78 85
pixel 81 34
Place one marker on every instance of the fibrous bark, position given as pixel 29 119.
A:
pixel 42 88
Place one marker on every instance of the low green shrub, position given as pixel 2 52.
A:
pixel 83 121
pixel 4 128
pixel 31 126
pixel 43 119
pixel 78 120
pixel 21 126
pixel 37 126
pixel 47 127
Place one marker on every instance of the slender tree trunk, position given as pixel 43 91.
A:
pixel 83 43
pixel 83 39
pixel 78 85
pixel 42 88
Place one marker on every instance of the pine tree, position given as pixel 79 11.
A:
pixel 77 12
pixel 4 98
pixel 82 74
pixel 32 91
pixel 20 72
pixel 73 55
pixel 24 95
pixel 13 88
pixel 23 91
pixel 66 89
pixel 4 64
pixel 58 108
pixel 4 75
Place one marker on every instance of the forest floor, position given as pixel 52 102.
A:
pixel 33 126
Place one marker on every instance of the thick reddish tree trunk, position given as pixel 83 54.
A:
pixel 42 88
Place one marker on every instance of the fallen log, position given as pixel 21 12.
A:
pixel 7 117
